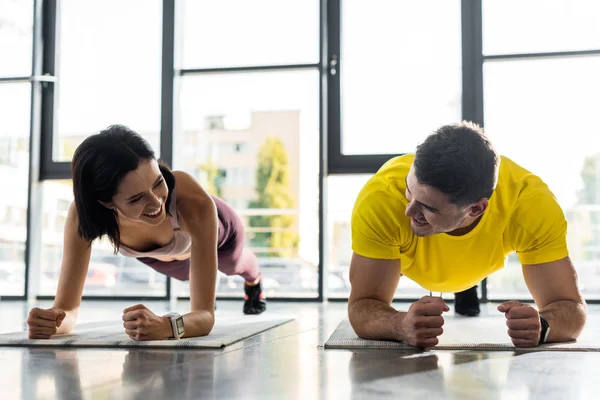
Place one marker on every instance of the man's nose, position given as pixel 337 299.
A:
pixel 411 209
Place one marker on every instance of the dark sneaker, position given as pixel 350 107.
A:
pixel 254 300
pixel 467 303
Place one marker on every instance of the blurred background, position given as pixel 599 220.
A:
pixel 314 95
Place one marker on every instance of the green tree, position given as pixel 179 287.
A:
pixel 214 178
pixel 273 192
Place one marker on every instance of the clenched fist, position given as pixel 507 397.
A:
pixel 423 322
pixel 142 324
pixel 43 324
pixel 523 323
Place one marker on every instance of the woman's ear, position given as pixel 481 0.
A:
pixel 110 206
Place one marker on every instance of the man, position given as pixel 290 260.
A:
pixel 446 217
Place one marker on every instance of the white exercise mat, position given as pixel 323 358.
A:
pixel 227 330
pixel 478 333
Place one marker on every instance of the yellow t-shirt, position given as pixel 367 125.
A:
pixel 523 216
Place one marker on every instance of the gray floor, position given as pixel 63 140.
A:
pixel 287 362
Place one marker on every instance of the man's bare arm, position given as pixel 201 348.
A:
pixel 554 289
pixel 374 283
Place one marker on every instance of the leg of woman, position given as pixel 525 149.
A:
pixel 235 259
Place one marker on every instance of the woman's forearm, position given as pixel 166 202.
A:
pixel 69 322
pixel 195 323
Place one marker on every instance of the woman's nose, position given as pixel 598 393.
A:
pixel 155 199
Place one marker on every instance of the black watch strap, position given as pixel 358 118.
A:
pixel 544 331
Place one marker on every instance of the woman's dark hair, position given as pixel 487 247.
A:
pixel 460 161
pixel 99 165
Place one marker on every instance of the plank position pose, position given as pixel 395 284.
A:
pixel 446 217
pixel 163 218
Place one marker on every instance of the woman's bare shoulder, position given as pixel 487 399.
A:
pixel 188 187
pixel 191 196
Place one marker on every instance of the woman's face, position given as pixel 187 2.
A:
pixel 142 195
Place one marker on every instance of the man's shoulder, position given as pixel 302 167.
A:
pixel 383 195
pixel 397 166
pixel 524 198
pixel 390 177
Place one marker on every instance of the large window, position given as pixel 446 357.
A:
pixel 16 32
pixel 109 70
pixel 542 114
pixel 540 106
pixel 536 26
pixel 107 73
pixel 252 138
pixel 14 170
pixel 242 95
pixel 400 72
pixel 221 33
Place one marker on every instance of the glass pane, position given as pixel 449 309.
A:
pixel 535 26
pixel 108 274
pixel 233 124
pixel 14 171
pixel 400 73
pixel 221 33
pixel 16 33
pixel 342 191
pixel 543 114
pixel 109 73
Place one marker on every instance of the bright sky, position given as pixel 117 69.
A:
pixel 400 76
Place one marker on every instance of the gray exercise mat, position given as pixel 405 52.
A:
pixel 466 337
pixel 227 330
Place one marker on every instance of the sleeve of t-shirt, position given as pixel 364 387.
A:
pixel 374 224
pixel 540 229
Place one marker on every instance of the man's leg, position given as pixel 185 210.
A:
pixel 467 302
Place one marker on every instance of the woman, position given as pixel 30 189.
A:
pixel 163 218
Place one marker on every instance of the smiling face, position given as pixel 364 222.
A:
pixel 142 195
pixel 432 212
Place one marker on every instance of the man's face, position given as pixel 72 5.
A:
pixel 430 210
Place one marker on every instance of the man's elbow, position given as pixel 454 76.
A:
pixel 356 316
pixel 351 310
pixel 580 319
pixel 574 323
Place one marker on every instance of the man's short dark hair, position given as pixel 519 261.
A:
pixel 460 161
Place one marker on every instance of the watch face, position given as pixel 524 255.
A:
pixel 179 322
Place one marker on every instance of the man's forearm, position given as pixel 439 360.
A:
pixel 566 319
pixel 374 319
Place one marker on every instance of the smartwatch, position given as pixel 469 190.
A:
pixel 544 331
pixel 176 325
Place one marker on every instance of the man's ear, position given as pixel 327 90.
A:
pixel 478 208
pixel 107 205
